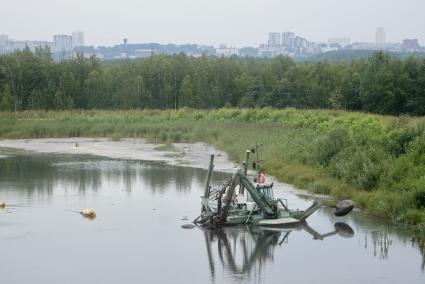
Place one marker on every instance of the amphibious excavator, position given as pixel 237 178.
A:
pixel 245 200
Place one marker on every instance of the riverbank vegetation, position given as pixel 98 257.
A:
pixel 379 161
pixel 379 84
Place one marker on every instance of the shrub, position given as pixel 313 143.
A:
pixel 328 146
pixel 398 141
pixel 419 197
pixel 360 166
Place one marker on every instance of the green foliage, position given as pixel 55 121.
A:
pixel 360 167
pixel 419 196
pixel 398 140
pixel 380 84
pixel 7 102
pixel 325 148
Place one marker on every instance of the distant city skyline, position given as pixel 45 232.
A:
pixel 78 38
pixel 279 43
pixel 234 22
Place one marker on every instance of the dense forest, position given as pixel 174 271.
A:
pixel 350 55
pixel 379 84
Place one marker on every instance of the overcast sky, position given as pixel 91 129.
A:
pixel 235 22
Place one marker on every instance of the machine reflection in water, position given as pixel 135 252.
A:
pixel 244 249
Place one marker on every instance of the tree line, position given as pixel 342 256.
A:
pixel 379 84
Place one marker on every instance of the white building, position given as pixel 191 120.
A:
pixel 77 38
pixel 275 39
pixel 380 36
pixel 341 41
pixel 9 45
pixel 327 48
pixel 363 46
pixel 143 53
pixel 270 51
pixel 225 51
pixel 63 43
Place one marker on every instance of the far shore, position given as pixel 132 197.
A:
pixel 194 155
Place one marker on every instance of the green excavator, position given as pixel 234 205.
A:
pixel 242 200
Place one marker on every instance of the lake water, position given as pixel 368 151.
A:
pixel 137 236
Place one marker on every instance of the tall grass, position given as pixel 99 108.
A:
pixel 379 161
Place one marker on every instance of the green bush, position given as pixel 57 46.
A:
pixel 327 146
pixel 419 197
pixel 360 166
pixel 398 141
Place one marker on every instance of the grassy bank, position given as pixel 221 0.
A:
pixel 379 161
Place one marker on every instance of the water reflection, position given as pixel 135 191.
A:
pixel 40 173
pixel 377 236
pixel 340 228
pixel 244 251
pixel 382 241
pixel 422 249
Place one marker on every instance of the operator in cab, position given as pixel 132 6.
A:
pixel 261 178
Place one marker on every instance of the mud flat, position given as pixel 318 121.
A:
pixel 195 155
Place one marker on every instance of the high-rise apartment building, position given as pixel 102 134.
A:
pixel 77 38
pixel 62 43
pixel 4 39
pixel 410 44
pixel 274 39
pixel 288 39
pixel 380 36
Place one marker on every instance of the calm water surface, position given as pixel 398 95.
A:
pixel 137 236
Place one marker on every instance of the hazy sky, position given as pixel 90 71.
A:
pixel 235 22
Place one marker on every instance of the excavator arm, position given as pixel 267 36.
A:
pixel 267 206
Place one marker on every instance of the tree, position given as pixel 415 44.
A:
pixel 43 53
pixel 379 84
pixel 187 92
pixel 416 101
pixel 376 84
pixel 7 101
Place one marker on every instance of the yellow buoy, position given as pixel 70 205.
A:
pixel 2 204
pixel 90 213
